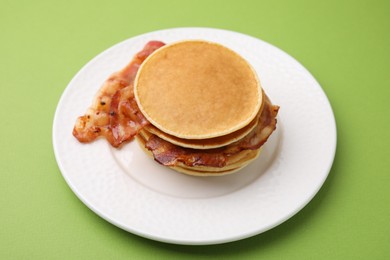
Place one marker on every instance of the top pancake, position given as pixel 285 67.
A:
pixel 197 90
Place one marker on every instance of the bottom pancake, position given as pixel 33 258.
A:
pixel 233 164
pixel 217 171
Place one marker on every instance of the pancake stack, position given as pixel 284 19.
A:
pixel 203 102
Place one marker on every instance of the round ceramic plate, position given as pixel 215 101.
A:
pixel 130 190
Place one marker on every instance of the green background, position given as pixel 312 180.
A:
pixel 344 44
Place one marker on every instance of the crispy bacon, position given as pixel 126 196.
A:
pixel 114 113
pixel 170 155
pixel 260 134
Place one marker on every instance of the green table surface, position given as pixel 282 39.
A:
pixel 344 44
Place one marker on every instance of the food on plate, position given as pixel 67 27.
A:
pixel 194 106
pixel 114 113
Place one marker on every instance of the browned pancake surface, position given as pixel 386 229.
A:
pixel 197 90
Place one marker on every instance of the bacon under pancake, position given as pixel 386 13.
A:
pixel 114 112
pixel 170 155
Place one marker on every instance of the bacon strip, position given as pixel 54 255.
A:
pixel 170 155
pixel 114 113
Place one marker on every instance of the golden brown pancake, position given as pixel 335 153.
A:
pixel 197 90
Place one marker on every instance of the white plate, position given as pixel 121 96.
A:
pixel 131 191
